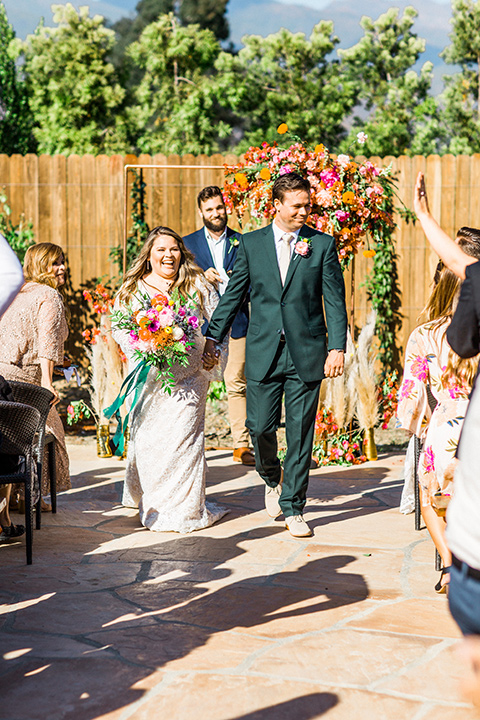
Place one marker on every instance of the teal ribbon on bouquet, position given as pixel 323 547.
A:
pixel 134 382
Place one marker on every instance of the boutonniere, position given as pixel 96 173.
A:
pixel 234 242
pixel 303 247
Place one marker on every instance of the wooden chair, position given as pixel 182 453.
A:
pixel 18 429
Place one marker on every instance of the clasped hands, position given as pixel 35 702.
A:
pixel 210 356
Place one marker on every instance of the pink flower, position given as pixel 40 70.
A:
pixel 329 177
pixel 193 321
pixel 324 197
pixel 70 410
pixel 419 368
pixel 362 138
pixel 429 459
pixel 342 215
pixel 406 389
pixel 302 248
pixel 166 317
pixel 285 169
pixel 343 160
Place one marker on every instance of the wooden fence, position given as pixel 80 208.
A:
pixel 78 202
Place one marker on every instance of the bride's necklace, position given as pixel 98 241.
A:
pixel 161 284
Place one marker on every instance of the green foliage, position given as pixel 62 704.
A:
pixel 286 77
pixel 383 287
pixel 216 392
pixel 461 97
pixel 176 106
pixel 19 236
pixel 15 116
pixel 139 230
pixel 74 96
pixel 396 96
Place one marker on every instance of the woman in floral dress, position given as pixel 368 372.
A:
pixel 431 366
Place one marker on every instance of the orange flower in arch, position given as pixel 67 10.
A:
pixel 348 197
pixel 265 174
pixel 369 253
pixel 282 128
pixel 241 180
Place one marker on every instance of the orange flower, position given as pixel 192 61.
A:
pixel 241 180
pixel 319 149
pixel 265 174
pixel 144 334
pixel 282 128
pixel 369 253
pixel 348 197
pixel 159 299
pixel 144 322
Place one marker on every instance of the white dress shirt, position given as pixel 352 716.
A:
pixel 11 275
pixel 217 249
pixel 278 234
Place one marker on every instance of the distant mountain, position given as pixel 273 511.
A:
pixel 263 17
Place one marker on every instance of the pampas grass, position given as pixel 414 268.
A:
pixel 362 377
pixel 336 393
pixel 108 370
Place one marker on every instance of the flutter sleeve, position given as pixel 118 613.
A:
pixel 413 411
pixel 52 327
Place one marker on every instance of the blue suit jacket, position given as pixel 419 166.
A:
pixel 197 243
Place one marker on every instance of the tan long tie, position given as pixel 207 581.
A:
pixel 284 260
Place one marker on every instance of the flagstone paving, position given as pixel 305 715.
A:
pixel 236 622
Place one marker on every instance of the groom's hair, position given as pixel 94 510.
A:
pixel 287 183
pixel 208 193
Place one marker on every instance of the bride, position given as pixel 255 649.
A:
pixel 165 475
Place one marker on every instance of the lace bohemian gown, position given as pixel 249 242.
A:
pixel 34 327
pixel 166 467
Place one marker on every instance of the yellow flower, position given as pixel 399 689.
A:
pixel 319 149
pixel 265 174
pixel 282 128
pixel 171 302
pixel 167 330
pixel 369 253
pixel 348 197
pixel 241 180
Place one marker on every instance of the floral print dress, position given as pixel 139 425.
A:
pixel 426 358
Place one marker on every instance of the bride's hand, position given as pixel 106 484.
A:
pixel 420 200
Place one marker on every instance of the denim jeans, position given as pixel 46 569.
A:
pixel 464 600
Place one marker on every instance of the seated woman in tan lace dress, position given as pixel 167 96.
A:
pixel 32 335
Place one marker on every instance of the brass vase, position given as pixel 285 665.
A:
pixel 126 438
pixel 369 447
pixel 103 437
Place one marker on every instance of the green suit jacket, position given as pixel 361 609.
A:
pixel 313 283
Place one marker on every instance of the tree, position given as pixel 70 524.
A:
pixel 462 90
pixel 401 114
pixel 74 95
pixel 176 108
pixel 15 116
pixel 286 78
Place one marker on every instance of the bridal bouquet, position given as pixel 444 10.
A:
pixel 161 332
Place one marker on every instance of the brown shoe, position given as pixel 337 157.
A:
pixel 244 455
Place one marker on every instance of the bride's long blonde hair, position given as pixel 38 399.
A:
pixel 188 271
pixel 442 304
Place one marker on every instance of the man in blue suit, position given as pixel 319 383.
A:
pixel 215 249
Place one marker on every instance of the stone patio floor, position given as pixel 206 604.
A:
pixel 239 621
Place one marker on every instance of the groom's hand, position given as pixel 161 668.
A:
pixel 210 354
pixel 334 363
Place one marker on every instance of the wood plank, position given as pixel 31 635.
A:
pixel 103 215
pixel 174 201
pixel 90 270
pixel 190 189
pixel 30 194
pixel 447 217
pixel 17 187
pixel 45 199
pixel 462 191
pixel 58 194
pixel 475 192
pixel 147 179
pixel 433 182
pixel 115 193
pixel 159 187
pixel 74 219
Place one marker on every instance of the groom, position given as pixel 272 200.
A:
pixel 293 273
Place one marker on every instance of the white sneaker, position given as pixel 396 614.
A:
pixel 272 499
pixel 297 526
